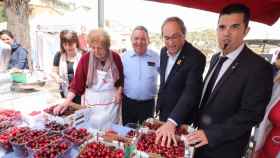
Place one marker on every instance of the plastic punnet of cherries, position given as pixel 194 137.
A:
pixel 147 144
pixel 100 150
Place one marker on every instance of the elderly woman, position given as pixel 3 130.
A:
pixel 99 78
pixel 18 58
pixel 66 61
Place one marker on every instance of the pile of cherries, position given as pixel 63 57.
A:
pixel 77 136
pixel 44 141
pixel 99 150
pixel 10 115
pixel 21 139
pixel 70 110
pixel 54 150
pixel 147 144
pixel 56 127
pixel 9 134
pixel 5 125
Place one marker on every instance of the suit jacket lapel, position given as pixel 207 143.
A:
pixel 227 74
pixel 163 68
pixel 212 64
pixel 176 65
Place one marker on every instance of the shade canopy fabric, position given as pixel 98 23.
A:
pixel 263 11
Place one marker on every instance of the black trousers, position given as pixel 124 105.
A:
pixel 135 111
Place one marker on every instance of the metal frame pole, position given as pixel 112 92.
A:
pixel 101 13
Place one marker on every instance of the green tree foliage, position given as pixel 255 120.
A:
pixel 3 16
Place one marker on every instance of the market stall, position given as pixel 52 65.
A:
pixel 28 127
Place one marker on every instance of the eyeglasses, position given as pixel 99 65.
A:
pixel 173 37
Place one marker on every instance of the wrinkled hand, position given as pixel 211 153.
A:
pixel 60 109
pixel 166 133
pixel 197 139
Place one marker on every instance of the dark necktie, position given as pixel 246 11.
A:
pixel 212 80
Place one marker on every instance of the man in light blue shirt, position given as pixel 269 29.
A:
pixel 140 78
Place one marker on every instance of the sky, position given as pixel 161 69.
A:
pixel 152 14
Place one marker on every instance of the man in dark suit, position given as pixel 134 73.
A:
pixel 236 91
pixel 181 69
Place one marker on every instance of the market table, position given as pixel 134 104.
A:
pixel 29 101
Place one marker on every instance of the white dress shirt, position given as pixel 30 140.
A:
pixel 170 63
pixel 231 57
pixel 140 74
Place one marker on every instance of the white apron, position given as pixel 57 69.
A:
pixel 101 100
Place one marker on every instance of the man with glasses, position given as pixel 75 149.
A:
pixel 181 69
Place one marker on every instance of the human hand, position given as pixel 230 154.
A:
pixel 196 139
pixel 166 133
pixel 60 109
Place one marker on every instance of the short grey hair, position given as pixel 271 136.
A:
pixel 176 20
pixel 141 28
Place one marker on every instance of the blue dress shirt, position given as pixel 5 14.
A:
pixel 140 74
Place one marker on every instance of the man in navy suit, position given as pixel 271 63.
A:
pixel 236 91
pixel 181 69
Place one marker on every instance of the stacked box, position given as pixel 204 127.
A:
pixel 73 116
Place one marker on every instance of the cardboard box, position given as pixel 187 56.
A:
pixel 78 117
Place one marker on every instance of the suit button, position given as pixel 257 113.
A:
pixel 206 120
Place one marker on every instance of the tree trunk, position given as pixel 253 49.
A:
pixel 17 12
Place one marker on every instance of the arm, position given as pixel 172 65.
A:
pixel 119 83
pixel 118 62
pixel 61 108
pixel 189 98
pixel 78 84
pixel 191 93
pixel 77 87
pixel 255 97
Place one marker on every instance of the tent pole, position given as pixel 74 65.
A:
pixel 101 13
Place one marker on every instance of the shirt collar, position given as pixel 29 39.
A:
pixel 233 55
pixel 174 57
pixel 133 53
